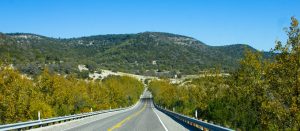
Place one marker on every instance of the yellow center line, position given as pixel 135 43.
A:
pixel 118 125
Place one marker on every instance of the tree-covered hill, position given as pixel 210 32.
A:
pixel 148 53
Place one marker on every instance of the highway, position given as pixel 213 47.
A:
pixel 142 117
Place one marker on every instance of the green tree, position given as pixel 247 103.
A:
pixel 284 78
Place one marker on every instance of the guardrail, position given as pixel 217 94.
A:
pixel 54 120
pixel 192 121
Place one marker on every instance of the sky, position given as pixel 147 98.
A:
pixel 258 23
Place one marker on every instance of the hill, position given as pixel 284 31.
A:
pixel 147 53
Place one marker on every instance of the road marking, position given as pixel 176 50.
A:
pixel 118 125
pixel 107 113
pixel 78 125
pixel 166 129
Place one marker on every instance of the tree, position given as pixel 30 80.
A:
pixel 284 78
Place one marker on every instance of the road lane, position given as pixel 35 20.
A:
pixel 143 117
pixel 145 121
pixel 107 123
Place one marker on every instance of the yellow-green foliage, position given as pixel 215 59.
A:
pixel 55 95
pixel 260 95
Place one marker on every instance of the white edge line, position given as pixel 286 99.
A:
pixel 161 121
pixel 79 125
pixel 117 112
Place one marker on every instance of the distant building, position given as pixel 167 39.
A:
pixel 82 67
pixel 154 62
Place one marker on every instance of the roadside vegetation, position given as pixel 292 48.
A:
pixel 260 95
pixel 55 95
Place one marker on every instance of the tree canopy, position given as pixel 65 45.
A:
pixel 55 95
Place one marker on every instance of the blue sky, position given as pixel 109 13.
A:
pixel 216 22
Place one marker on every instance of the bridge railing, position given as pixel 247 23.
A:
pixel 192 121
pixel 54 120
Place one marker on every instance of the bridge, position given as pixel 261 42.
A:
pixel 143 116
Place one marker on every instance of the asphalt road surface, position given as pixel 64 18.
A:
pixel 142 117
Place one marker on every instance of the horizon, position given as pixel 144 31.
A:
pixel 12 33
pixel 214 23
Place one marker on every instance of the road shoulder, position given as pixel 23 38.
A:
pixel 169 123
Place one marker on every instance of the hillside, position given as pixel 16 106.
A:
pixel 148 53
